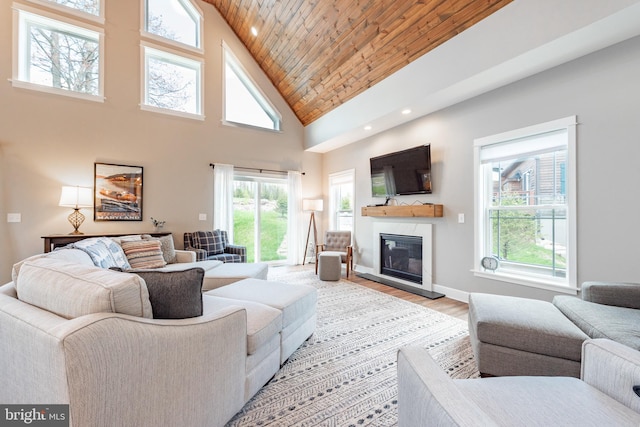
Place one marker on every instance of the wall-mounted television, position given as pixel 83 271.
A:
pixel 402 172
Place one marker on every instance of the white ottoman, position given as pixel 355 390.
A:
pixel 330 265
pixel 296 302
pixel 231 272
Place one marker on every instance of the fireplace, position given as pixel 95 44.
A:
pixel 401 257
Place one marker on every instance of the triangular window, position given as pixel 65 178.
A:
pixel 244 103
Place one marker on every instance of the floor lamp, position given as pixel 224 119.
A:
pixel 313 206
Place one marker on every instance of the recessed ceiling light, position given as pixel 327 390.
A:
pixel 368 127
pixel 406 111
pixel 254 31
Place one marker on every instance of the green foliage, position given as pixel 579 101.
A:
pixel 345 203
pixel 282 207
pixel 274 229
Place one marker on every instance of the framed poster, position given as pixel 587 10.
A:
pixel 117 192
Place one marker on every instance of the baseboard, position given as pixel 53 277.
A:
pixel 452 293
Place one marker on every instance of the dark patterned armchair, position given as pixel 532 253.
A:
pixel 214 245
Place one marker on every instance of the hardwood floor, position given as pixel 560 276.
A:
pixel 444 305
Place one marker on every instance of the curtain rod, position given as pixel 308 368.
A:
pixel 256 169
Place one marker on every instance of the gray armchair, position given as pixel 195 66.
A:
pixel 214 245
pixel 604 394
pixel 339 242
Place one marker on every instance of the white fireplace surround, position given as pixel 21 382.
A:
pixel 405 229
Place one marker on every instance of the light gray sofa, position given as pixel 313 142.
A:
pixel 73 333
pixel 603 396
pixel 518 336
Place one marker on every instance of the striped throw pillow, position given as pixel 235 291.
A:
pixel 144 253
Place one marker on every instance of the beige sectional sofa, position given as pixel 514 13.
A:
pixel 73 333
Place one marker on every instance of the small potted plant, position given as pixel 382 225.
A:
pixel 157 224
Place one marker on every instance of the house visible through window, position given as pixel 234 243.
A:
pixel 57 54
pixel 244 102
pixel 173 58
pixel 526 203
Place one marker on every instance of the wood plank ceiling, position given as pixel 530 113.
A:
pixel 321 53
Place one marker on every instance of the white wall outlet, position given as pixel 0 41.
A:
pixel 460 218
pixel 202 217
pixel 14 217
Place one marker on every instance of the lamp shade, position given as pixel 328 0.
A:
pixel 76 197
pixel 312 205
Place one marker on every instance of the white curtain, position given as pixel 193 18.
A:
pixel 223 198
pixel 295 233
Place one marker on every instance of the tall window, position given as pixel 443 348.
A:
pixel 57 54
pixel 525 204
pixel 244 103
pixel 174 59
pixel 260 205
pixel 341 200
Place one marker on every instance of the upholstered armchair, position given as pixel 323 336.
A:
pixel 338 242
pixel 214 245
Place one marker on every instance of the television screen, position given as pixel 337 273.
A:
pixel 402 172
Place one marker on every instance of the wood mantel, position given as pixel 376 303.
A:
pixel 428 211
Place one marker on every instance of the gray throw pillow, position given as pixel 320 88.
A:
pixel 166 245
pixel 174 294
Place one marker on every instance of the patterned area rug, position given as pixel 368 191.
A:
pixel 345 374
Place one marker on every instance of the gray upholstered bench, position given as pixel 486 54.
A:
pixel 296 302
pixel 519 336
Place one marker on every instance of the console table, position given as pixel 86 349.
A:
pixel 57 240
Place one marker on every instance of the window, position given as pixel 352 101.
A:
pixel 260 207
pixel 173 78
pixel 244 102
pixel 56 54
pixel 172 82
pixel 341 200
pixel 525 204
pixel 81 7
pixel 175 20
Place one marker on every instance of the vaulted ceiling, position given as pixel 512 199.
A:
pixel 321 53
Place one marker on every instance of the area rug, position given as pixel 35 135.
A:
pixel 345 374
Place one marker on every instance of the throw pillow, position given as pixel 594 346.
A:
pixel 174 294
pixel 98 251
pixel 116 251
pixel 166 245
pixel 144 253
pixel 210 241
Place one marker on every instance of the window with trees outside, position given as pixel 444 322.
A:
pixel 173 59
pixel 244 103
pixel 341 200
pixel 57 54
pixel 260 207
pixel 525 204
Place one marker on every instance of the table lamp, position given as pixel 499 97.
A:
pixel 76 198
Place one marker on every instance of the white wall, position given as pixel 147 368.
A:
pixel 47 141
pixel 602 89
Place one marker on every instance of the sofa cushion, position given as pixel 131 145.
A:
pixel 166 245
pixel 174 294
pixel 97 249
pixel 210 241
pixel 263 322
pixel 619 324
pixel 72 290
pixel 144 253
